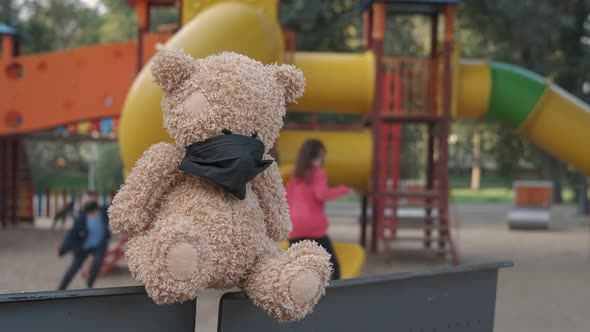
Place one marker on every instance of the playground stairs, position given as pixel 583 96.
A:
pixel 411 211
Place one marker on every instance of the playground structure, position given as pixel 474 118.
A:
pixel 79 85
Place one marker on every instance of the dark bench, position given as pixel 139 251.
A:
pixel 450 299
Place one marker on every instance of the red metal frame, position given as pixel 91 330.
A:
pixel 408 89
pixel 430 166
pixel 4 164
pixel 377 18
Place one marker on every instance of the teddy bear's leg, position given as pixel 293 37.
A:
pixel 288 284
pixel 173 260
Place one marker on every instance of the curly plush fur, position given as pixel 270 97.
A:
pixel 186 233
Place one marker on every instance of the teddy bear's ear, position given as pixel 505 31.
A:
pixel 292 81
pixel 172 67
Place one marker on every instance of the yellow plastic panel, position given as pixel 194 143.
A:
pixel 224 27
pixel 191 8
pixel 348 159
pixel 560 123
pixel 474 90
pixel 337 82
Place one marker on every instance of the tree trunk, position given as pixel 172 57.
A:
pixel 476 161
pixel 552 171
pixel 582 193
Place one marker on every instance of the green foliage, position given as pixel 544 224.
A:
pixel 109 167
pixel 323 25
pixel 406 36
pixel 59 24
pixel 119 22
pixel 73 174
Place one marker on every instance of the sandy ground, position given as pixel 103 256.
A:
pixel 547 290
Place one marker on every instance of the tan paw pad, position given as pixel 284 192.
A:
pixel 305 287
pixel 181 261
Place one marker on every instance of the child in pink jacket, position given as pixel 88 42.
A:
pixel 307 193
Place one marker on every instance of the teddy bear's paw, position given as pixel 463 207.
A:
pixel 174 262
pixel 182 261
pixel 305 287
pixel 290 286
pixel 308 271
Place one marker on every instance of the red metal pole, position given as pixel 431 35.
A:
pixel 3 181
pixel 377 35
pixel 432 88
pixel 363 239
pixel 387 133
pixel 433 63
pixel 47 202
pixel 9 179
pixel 445 128
pixel 142 9
pixel 395 150
pixel 367 29
pixel 15 179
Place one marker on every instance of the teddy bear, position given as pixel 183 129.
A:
pixel 209 210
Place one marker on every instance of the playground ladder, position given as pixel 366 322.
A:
pixel 402 207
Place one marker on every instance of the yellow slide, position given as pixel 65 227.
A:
pixel 547 115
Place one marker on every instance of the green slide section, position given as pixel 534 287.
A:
pixel 515 92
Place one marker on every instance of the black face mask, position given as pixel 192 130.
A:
pixel 229 160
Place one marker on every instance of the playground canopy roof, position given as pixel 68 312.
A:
pixel 6 30
pixel 412 6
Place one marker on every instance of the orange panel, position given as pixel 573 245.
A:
pixel 51 89
pixel 533 196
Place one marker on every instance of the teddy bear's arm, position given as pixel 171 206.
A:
pixel 271 193
pixel 135 204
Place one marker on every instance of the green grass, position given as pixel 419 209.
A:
pixel 65 182
pixel 484 195
pixel 494 195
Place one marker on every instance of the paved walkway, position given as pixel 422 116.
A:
pixel 547 290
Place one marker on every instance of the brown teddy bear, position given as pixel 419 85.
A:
pixel 209 211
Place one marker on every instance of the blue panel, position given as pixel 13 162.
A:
pixel 6 30
pixel 61 130
pixel 106 126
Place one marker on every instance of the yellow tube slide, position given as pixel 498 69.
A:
pixel 474 86
pixel 336 82
pixel 348 158
pixel 560 124
pixel 544 113
pixel 226 26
